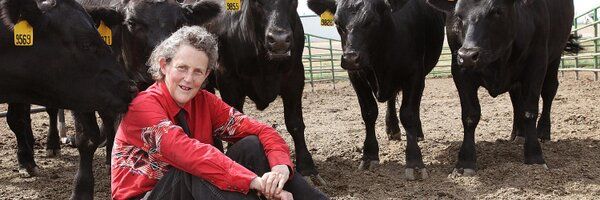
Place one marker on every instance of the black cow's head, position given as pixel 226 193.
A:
pixel 146 23
pixel 68 65
pixel 486 28
pixel 276 17
pixel 362 25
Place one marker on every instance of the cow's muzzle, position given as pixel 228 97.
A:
pixel 351 60
pixel 469 57
pixel 279 44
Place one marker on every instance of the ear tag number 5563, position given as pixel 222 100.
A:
pixel 327 18
pixel 23 34
pixel 233 5
pixel 105 33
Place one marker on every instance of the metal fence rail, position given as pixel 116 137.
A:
pixel 586 26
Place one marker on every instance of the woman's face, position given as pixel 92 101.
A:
pixel 185 73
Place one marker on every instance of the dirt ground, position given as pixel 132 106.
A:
pixel 335 133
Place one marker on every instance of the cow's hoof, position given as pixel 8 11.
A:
pixel 395 136
pixel 462 172
pixel 469 172
pixel 410 174
pixel 519 139
pixel 29 171
pixel 545 166
pixel 53 153
pixel 368 165
pixel 69 141
pixel 318 180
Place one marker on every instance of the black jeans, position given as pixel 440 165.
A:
pixel 177 184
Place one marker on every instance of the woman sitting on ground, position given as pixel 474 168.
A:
pixel 164 146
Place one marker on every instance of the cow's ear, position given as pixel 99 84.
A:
pixel 446 6
pixel 13 10
pixel 109 16
pixel 320 6
pixel 202 12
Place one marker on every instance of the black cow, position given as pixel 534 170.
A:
pixel 68 66
pixel 388 47
pixel 506 46
pixel 260 56
pixel 147 24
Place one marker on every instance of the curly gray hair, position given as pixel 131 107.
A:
pixel 194 36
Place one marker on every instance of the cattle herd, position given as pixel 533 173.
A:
pixel 389 46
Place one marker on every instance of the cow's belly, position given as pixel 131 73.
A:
pixel 263 90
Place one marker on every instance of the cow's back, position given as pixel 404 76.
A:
pixel 561 18
pixel 422 26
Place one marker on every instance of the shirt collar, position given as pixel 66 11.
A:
pixel 172 107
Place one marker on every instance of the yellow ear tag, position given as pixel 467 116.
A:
pixel 105 33
pixel 327 18
pixel 233 5
pixel 23 34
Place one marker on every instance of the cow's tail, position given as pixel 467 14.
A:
pixel 573 46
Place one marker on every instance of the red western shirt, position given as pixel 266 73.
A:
pixel 148 143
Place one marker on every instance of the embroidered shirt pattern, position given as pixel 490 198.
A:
pixel 142 162
pixel 233 123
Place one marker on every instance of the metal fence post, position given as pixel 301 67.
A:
pixel 310 65
pixel 575 32
pixel 332 68
pixel 596 43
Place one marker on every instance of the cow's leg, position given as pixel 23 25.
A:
pixel 531 91
pixel 19 121
pixel 391 121
pixel 87 139
pixel 548 93
pixel 369 112
pixel 517 130
pixel 291 95
pixel 471 113
pixel 410 118
pixel 53 139
pixel 108 130
pixel 62 126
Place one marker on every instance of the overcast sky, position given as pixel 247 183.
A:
pixel 311 24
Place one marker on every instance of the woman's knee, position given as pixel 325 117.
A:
pixel 249 144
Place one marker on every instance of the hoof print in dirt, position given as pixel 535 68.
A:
pixel 410 174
